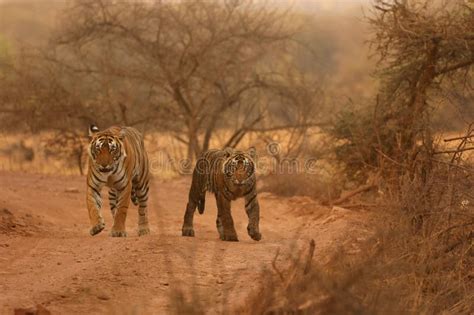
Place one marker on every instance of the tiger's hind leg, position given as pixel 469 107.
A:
pixel 196 199
pixel 113 201
pixel 142 200
pixel 188 229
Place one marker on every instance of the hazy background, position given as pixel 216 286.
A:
pixel 379 95
pixel 333 58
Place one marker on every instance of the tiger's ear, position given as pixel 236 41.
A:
pixel 121 135
pixel 228 151
pixel 92 130
pixel 252 152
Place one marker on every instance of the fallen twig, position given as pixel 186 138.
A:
pixel 353 193
pixel 309 258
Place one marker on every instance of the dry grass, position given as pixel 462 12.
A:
pixel 166 153
pixel 316 186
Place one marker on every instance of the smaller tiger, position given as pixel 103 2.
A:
pixel 229 174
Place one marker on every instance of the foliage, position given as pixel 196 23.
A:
pixel 354 142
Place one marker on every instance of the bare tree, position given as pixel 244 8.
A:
pixel 197 66
pixel 422 45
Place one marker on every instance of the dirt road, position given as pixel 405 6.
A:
pixel 48 258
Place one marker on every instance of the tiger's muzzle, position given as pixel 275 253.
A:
pixel 106 169
pixel 240 182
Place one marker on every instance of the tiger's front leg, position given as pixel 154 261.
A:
pixel 94 204
pixel 142 199
pixel 123 202
pixel 224 217
pixel 253 212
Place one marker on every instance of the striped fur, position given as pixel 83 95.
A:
pixel 229 174
pixel 118 160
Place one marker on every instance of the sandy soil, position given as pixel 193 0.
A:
pixel 47 257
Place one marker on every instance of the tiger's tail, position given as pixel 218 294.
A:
pixel 201 203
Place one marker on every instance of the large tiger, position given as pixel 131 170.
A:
pixel 229 174
pixel 118 160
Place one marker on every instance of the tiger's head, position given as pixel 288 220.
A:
pixel 239 167
pixel 106 149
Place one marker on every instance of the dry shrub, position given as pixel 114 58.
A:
pixel 302 184
pixel 419 261
pixel 354 139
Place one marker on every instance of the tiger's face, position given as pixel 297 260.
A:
pixel 239 168
pixel 106 152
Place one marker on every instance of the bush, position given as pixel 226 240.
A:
pixel 354 142
pixel 419 261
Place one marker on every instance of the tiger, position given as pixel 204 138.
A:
pixel 118 160
pixel 229 174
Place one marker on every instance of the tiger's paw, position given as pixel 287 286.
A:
pixel 143 230
pixel 96 229
pixel 188 231
pixel 255 235
pixel 115 233
pixel 229 238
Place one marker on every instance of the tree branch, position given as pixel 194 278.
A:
pixel 455 67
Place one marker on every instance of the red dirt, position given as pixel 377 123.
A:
pixel 47 257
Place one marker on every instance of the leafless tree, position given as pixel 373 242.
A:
pixel 196 66
pixel 422 45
